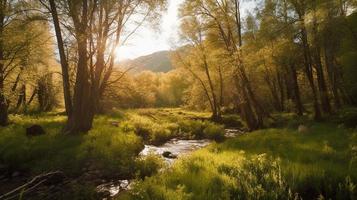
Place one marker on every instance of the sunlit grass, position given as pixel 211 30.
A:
pixel 266 164
pixel 105 146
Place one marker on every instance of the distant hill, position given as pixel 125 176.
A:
pixel 156 62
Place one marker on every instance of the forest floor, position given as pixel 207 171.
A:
pixel 273 163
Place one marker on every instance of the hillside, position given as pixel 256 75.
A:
pixel 156 62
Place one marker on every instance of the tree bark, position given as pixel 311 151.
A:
pixel 64 63
pixel 297 98
pixel 325 101
pixel 83 109
pixel 3 100
pixel 309 70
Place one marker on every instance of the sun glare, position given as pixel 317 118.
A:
pixel 122 53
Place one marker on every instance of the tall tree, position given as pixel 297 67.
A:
pixel 93 25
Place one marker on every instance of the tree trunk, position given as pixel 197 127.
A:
pixel 83 112
pixel 21 101
pixel 64 63
pixel 245 110
pixel 325 101
pixel 217 110
pixel 309 70
pixel 32 97
pixel 3 100
pixel 281 90
pixel 333 73
pixel 297 98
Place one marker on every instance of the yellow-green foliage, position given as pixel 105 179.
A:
pixel 208 175
pixel 266 164
pixel 157 126
pixel 149 165
pixel 105 146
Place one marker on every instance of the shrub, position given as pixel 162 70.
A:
pixel 213 131
pixel 192 128
pixel 232 121
pixel 148 166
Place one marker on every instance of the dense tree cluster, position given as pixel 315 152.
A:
pixel 286 56
pixel 87 34
pixel 26 60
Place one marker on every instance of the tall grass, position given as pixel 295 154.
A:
pixel 105 146
pixel 266 164
pixel 158 126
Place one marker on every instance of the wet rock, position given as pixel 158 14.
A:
pixel 303 129
pixel 116 124
pixel 168 154
pixel 231 133
pixel 35 130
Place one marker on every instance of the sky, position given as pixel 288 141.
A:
pixel 146 40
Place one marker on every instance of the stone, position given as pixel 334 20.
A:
pixel 168 154
pixel 116 124
pixel 35 130
pixel 303 129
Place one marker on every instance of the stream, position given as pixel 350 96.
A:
pixel 170 151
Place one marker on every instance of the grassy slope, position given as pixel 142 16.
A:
pixel 265 164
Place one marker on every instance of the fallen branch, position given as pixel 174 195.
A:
pixel 47 178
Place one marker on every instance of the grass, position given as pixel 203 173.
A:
pixel 275 163
pixel 107 147
pixel 110 148
pixel 156 126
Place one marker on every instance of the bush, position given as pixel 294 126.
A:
pixel 232 121
pixel 153 132
pixel 192 128
pixel 213 131
pixel 202 129
pixel 148 166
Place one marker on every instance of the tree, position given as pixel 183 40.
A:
pixel 92 25
pixel 23 40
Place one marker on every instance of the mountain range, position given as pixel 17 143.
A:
pixel 156 62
